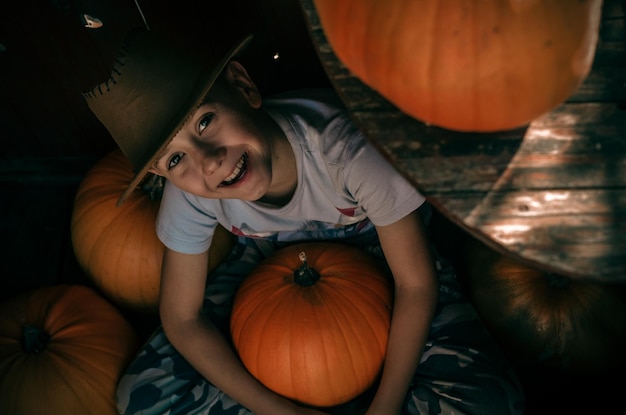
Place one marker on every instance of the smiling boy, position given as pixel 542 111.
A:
pixel 277 171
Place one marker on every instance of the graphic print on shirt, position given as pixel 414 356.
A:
pixel 310 230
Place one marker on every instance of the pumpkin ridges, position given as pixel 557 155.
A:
pixel 273 317
pixel 409 54
pixel 358 344
pixel 77 371
pixel 317 334
pixel 332 338
pixel 40 372
pixel 552 19
pixel 112 251
pixel 554 310
pixel 258 293
pixel 287 352
pixel 271 359
pixel 429 66
pixel 577 312
pixel 14 371
pixel 252 325
pixel 83 398
pixel 121 247
pixel 575 325
pixel 495 80
pixel 474 67
pixel 367 284
pixel 105 180
pixel 373 30
pixel 378 324
pixel 71 328
pixel 366 296
pixel 117 247
pixel 91 234
pixel 296 363
pixel 583 45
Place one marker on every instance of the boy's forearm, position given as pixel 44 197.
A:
pixel 219 364
pixel 410 324
pixel 202 344
pixel 408 254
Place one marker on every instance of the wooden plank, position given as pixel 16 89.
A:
pixel 552 193
pixel 576 232
pixel 467 162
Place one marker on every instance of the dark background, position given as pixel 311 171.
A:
pixel 50 138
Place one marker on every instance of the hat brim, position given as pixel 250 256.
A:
pixel 203 89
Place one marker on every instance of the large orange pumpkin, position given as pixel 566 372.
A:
pixel 540 317
pixel 311 322
pixel 484 65
pixel 62 351
pixel 118 247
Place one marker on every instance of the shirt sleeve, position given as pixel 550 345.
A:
pixel 385 195
pixel 181 225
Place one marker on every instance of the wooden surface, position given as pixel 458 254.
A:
pixel 552 193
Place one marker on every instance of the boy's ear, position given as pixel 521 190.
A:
pixel 238 76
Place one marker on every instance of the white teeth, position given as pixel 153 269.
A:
pixel 237 170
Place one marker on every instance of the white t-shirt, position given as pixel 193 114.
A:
pixel 345 186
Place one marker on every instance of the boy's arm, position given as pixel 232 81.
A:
pixel 201 343
pixel 408 254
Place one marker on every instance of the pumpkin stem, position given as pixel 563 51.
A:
pixel 34 340
pixel 304 275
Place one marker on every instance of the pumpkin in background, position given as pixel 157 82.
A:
pixel 311 322
pixel 118 247
pixel 466 65
pixel 571 324
pixel 62 351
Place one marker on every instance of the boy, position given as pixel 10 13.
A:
pixel 288 169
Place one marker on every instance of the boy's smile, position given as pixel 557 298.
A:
pixel 238 172
pixel 230 148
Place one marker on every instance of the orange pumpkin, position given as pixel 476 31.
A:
pixel 540 317
pixel 311 322
pixel 118 247
pixel 62 351
pixel 466 65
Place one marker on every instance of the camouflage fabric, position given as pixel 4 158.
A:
pixel 462 371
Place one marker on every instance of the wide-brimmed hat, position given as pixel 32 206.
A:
pixel 154 87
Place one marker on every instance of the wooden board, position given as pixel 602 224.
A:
pixel 552 193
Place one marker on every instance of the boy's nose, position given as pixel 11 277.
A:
pixel 212 159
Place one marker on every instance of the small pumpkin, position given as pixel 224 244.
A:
pixel 62 351
pixel 311 322
pixel 117 247
pixel 463 65
pixel 570 324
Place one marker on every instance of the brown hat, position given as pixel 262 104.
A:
pixel 154 88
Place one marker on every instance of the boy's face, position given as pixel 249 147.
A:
pixel 224 150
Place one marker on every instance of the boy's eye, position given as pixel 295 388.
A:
pixel 204 122
pixel 174 160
